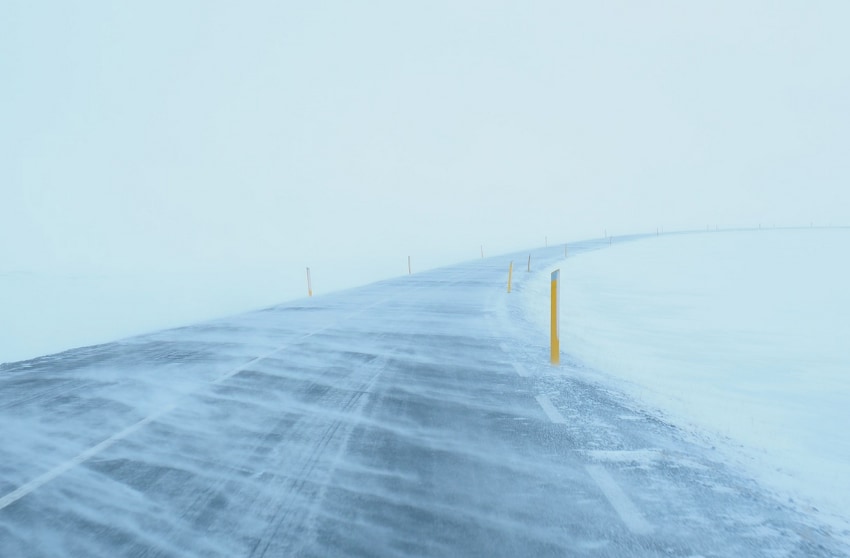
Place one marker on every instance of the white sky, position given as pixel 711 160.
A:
pixel 349 135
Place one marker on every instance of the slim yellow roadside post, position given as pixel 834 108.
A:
pixel 555 327
pixel 510 273
pixel 309 284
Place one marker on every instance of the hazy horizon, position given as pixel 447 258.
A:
pixel 275 136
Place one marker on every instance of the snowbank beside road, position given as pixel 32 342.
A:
pixel 739 336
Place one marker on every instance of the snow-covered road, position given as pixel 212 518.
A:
pixel 412 417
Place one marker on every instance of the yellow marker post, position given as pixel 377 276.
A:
pixel 555 352
pixel 510 274
pixel 529 263
pixel 309 284
pixel 409 272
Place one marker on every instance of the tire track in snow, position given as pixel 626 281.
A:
pixel 60 469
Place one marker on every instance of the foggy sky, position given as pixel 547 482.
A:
pixel 349 135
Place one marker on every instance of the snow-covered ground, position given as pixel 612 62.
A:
pixel 44 313
pixel 740 337
pixel 408 417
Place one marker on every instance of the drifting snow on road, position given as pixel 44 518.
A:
pixel 739 336
pixel 412 417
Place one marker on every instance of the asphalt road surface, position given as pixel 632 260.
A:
pixel 411 417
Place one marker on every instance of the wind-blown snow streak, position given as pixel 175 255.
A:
pixel 739 336
pixel 383 421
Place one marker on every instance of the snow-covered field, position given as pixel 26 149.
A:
pixel 340 425
pixel 44 313
pixel 742 338
pixel 738 337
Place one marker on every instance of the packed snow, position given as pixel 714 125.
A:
pixel 739 337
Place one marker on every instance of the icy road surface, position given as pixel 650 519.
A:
pixel 411 417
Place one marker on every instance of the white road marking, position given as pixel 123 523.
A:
pixel 621 503
pixel 550 410
pixel 84 456
pixel 40 481
pixel 520 369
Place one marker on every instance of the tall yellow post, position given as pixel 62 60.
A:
pixel 555 332
pixel 510 274
pixel 309 284
pixel 529 263
pixel 409 271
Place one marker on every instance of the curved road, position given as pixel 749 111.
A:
pixel 411 417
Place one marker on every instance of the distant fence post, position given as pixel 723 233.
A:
pixel 409 271
pixel 510 274
pixel 529 263
pixel 555 351
pixel 309 283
